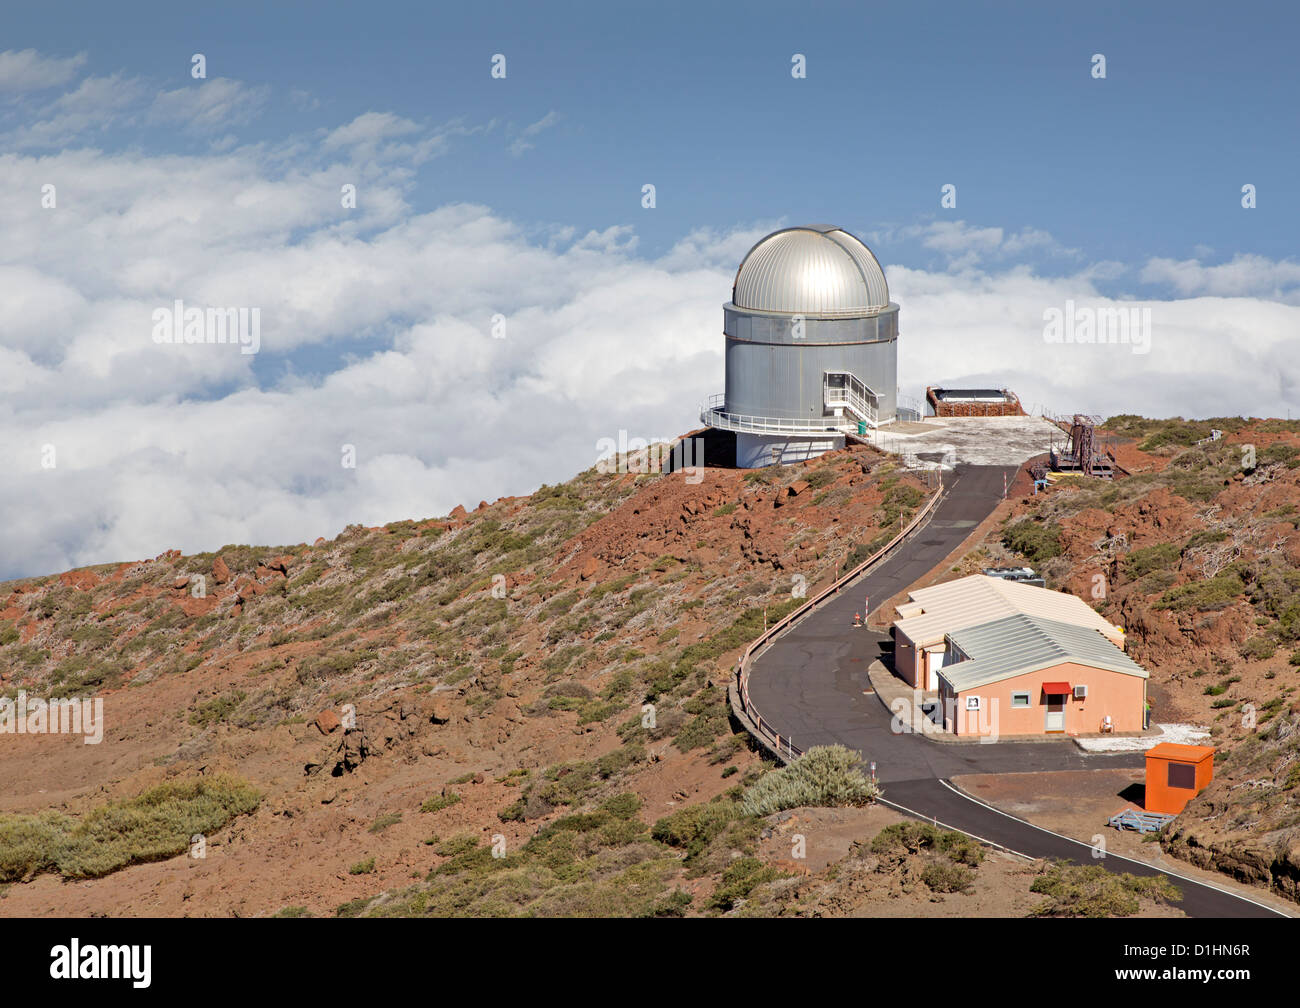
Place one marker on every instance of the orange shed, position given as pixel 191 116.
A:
pixel 1176 774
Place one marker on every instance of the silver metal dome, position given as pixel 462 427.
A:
pixel 814 271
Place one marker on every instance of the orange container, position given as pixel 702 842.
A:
pixel 1176 774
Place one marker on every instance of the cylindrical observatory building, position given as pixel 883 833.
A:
pixel 812 347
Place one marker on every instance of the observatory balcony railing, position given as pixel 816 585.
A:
pixel 844 388
pixel 714 415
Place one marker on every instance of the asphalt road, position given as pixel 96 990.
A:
pixel 809 685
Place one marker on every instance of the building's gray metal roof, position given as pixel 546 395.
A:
pixel 818 271
pixel 1017 644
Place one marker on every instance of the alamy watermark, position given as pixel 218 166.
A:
pixel 662 455
pixel 927 715
pixel 1111 325
pixel 192 326
pixel 36 716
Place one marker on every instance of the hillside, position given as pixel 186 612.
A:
pixel 497 664
pixel 1197 555
pixel 357 726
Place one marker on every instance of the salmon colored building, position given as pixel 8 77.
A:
pixel 1023 675
pixel 1175 775
pixel 925 620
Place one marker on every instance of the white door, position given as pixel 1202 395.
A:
pixel 1055 713
pixel 934 664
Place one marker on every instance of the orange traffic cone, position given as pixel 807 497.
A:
pixel 857 619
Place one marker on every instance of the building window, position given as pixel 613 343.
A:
pixel 1182 775
pixel 1019 699
pixel 972 703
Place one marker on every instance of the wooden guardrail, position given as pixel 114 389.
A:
pixel 783 747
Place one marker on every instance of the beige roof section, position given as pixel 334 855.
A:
pixel 977 599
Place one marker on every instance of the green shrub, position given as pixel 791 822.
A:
pixel 1280 451
pixel 1260 648
pixel 947 877
pixel 158 824
pixel 1093 891
pixel 1206 537
pixel 1204 596
pixel 674 905
pixel 740 879
pixel 1037 541
pixel 217 709
pixel 365 867
pixel 822 477
pixel 382 822
pixel 824 776
pixel 914 838
pixel 622 806
pixel 899 500
pixel 1141 562
pixel 439 802
pixel 709 722
pixel 692 828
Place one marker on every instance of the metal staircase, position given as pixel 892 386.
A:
pixel 845 390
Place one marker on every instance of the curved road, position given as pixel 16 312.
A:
pixel 809 685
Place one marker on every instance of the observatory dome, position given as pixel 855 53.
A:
pixel 814 271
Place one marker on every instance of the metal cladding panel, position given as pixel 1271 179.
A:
pixel 764 328
pixel 753 451
pixel 813 272
pixel 774 374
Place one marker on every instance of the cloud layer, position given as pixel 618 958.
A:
pixel 458 355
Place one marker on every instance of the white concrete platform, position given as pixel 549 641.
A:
pixel 1183 734
pixel 947 441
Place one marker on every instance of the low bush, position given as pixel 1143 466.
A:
pixel 825 776
pixel 1141 562
pixel 1259 648
pixel 947 877
pixel 740 879
pixel 382 822
pixel 153 826
pixel 693 827
pixel 1093 891
pixel 1036 541
pixel 1204 596
pixel 439 802
pixel 217 709
pixel 914 838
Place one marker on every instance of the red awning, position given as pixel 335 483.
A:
pixel 1056 688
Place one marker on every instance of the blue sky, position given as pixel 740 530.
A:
pixel 697 98
pixel 520 200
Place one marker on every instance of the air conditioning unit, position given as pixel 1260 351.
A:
pixel 1080 692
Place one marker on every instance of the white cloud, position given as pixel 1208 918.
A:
pixel 965 246
pixel 378 333
pixel 524 141
pixel 96 104
pixel 27 70
pixel 1243 275
pixel 209 105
